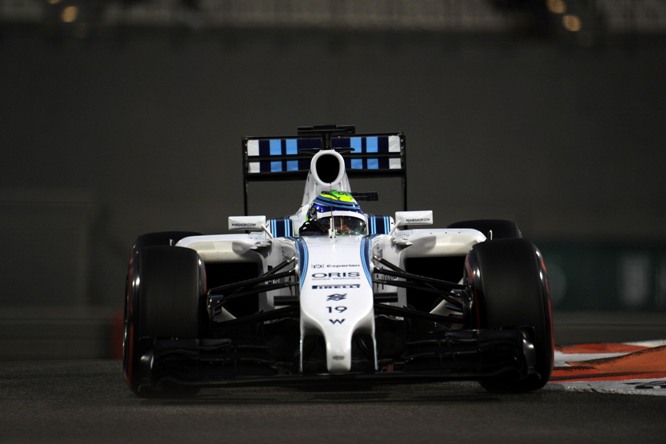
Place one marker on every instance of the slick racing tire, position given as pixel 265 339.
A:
pixel 509 284
pixel 491 228
pixel 164 299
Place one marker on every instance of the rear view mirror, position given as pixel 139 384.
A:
pixel 247 223
pixel 403 218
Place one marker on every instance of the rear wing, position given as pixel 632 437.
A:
pixel 288 158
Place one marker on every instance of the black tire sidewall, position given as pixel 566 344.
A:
pixel 171 292
pixel 164 298
pixel 510 289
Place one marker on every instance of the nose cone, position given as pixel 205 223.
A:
pixel 336 297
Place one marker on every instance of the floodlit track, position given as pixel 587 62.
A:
pixel 87 401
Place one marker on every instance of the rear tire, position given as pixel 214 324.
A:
pixel 164 299
pixel 510 288
pixel 162 238
pixel 492 228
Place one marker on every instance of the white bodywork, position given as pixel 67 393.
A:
pixel 335 275
pixel 337 296
pixel 336 292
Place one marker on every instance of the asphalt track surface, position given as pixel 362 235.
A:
pixel 86 401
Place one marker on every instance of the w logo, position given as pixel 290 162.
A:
pixel 336 321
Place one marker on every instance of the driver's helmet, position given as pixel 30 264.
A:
pixel 342 207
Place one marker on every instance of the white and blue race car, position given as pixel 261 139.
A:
pixel 333 293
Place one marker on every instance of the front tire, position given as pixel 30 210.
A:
pixel 509 283
pixel 164 299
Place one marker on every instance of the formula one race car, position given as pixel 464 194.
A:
pixel 332 293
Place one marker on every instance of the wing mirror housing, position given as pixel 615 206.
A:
pixel 247 223
pixel 404 218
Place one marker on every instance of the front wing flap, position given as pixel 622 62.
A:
pixel 454 355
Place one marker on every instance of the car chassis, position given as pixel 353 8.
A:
pixel 269 305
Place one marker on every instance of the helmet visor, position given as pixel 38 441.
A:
pixel 345 225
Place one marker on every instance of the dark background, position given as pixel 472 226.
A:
pixel 115 128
